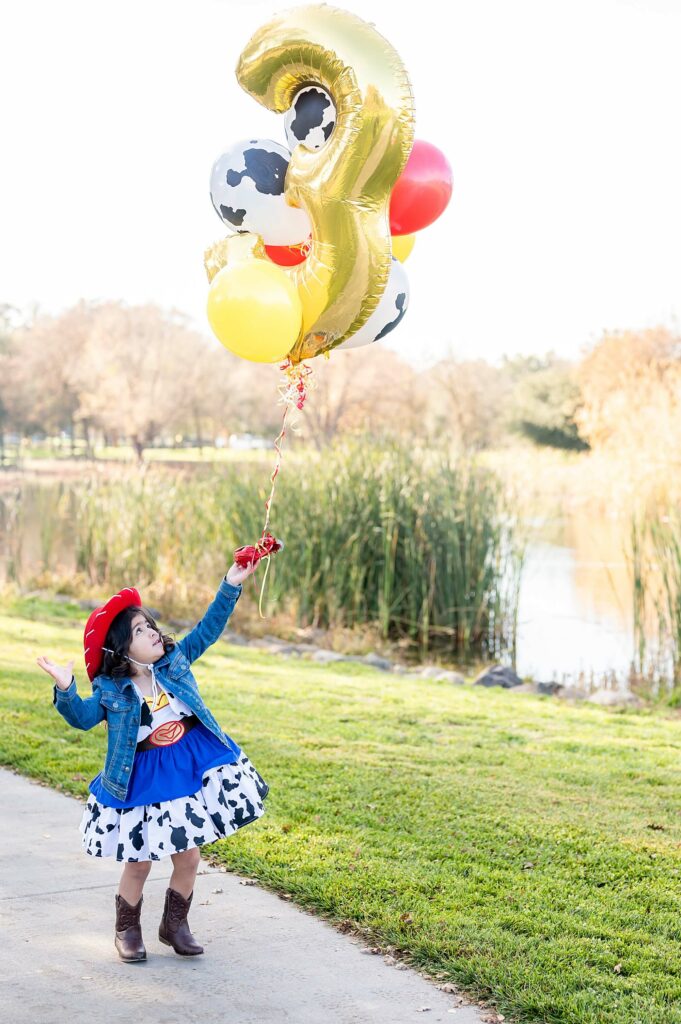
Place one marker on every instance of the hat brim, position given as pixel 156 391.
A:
pixel 98 624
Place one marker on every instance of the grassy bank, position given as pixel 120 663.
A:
pixel 523 848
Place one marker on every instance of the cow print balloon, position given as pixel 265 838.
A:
pixel 389 312
pixel 247 190
pixel 311 118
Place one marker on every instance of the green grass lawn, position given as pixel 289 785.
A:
pixel 525 849
pixel 126 453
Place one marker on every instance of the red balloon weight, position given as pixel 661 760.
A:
pixel 422 190
pixel 287 255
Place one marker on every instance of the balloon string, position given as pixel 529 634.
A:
pixel 293 390
pixel 279 441
pixel 262 588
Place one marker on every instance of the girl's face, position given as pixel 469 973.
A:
pixel 146 645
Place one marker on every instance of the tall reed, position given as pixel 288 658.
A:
pixel 12 534
pixel 415 544
pixel 656 573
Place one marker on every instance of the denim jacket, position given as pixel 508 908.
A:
pixel 116 700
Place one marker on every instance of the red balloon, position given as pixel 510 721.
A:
pixel 287 255
pixel 422 190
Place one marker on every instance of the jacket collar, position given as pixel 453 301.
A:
pixel 124 683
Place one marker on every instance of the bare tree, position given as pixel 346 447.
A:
pixel 225 394
pixel 466 402
pixel 364 390
pixel 132 379
pixel 39 371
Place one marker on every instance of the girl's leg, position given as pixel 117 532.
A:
pixel 132 881
pixel 185 866
pixel 174 928
pixel 128 935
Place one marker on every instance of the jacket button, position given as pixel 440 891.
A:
pixel 125 768
pixel 115 703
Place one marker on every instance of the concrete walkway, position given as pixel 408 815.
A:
pixel 266 962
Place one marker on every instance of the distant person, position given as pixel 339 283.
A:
pixel 172 779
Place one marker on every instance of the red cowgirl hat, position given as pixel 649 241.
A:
pixel 97 626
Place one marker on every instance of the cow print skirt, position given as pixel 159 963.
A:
pixel 230 796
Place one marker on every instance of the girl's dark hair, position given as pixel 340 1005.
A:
pixel 119 639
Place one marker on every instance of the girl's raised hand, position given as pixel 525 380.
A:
pixel 61 675
pixel 237 575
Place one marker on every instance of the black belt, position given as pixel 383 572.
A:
pixel 168 733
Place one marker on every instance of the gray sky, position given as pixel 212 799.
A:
pixel 560 121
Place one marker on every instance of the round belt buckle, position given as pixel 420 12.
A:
pixel 167 734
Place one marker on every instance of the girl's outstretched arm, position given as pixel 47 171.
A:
pixel 210 627
pixel 81 714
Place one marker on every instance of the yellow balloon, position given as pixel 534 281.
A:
pixel 253 306
pixel 345 186
pixel 402 246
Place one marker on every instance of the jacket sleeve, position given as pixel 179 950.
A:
pixel 81 714
pixel 210 627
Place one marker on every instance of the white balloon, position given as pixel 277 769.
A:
pixel 310 119
pixel 247 191
pixel 389 312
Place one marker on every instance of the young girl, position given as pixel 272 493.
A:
pixel 172 779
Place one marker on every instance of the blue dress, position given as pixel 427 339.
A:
pixel 184 794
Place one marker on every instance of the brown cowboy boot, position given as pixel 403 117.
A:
pixel 174 929
pixel 128 931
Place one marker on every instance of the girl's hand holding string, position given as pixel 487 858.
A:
pixel 61 675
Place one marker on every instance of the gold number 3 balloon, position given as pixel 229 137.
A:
pixel 345 186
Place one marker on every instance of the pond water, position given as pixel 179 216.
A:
pixel 575 620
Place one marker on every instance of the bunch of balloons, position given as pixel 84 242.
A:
pixel 319 231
